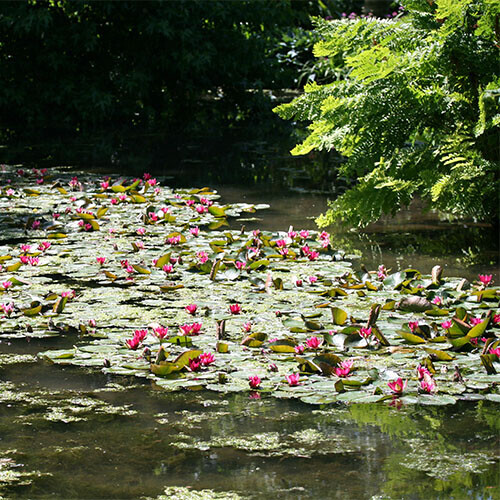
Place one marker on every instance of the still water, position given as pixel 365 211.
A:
pixel 72 433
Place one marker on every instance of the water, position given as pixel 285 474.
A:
pixel 72 433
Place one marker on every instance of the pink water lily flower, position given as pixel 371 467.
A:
pixel 496 319
pixel 314 342
pixel 235 309
pixel 191 308
pixel 413 326
pixel 6 284
pixel 313 255
pixel 365 332
pixel 293 379
pixel 422 371
pixel 140 231
pixel 344 369
pixel 397 386
pixel 100 260
pixel 485 279
pixel 44 245
pixel 427 384
pixel 25 248
pixel 195 364
pixel 136 340
pixel 446 324
pixel 168 268
pixel 298 283
pixel 273 367
pixel 299 349
pixel 247 327
pixel 495 351
pixel 7 308
pixel 161 332
pixel 195 231
pixel 240 265
pixel 312 279
pixel 254 381
pixel 207 358
pixel 202 257
pixel 304 234
pixel 475 321
pixel 190 329
pixel 437 300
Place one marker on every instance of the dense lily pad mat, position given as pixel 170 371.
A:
pixel 153 282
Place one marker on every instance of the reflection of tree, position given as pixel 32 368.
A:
pixel 435 458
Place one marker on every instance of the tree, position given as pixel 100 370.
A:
pixel 415 111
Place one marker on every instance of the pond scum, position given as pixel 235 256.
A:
pixel 153 282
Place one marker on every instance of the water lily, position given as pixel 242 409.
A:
pixel 344 369
pixel 240 265
pixel 485 279
pixel 202 257
pixel 446 324
pixel 314 342
pixel 254 381
pixel 160 332
pixel 304 234
pixel 273 367
pixel 207 358
pixel 191 308
pixel 195 364
pixel 293 379
pixel 495 351
pixel 36 224
pixel 168 268
pixel 7 308
pixel 136 340
pixel 496 319
pixel 140 231
pixel 25 248
pixel 427 384
pixel 247 327
pixel 92 322
pixel 422 371
pixel 195 231
pixel 312 279
pixel 413 326
pixel 190 329
pixel 201 209
pixel 437 300
pixel 235 309
pixel 298 283
pixel 397 386
pixel 299 349
pixel 365 332
pixel 100 260
pixel 475 321
pixel 6 284
pixel 313 255
pixel 44 245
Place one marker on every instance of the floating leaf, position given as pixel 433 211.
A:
pixel 283 345
pixel 339 316
pixel 56 236
pixel 436 354
pixel 217 211
pixel 411 337
pixel 140 269
pixel 254 339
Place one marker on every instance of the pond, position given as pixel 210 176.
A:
pixel 82 432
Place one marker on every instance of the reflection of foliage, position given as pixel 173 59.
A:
pixel 418 113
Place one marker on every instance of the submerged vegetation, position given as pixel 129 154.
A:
pixel 153 282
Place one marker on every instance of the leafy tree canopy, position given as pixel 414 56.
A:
pixel 415 109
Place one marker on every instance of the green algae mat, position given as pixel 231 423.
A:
pixel 157 283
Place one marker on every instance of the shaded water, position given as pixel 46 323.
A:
pixel 74 434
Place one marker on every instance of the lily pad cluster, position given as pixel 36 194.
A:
pixel 157 283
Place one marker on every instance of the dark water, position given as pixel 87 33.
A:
pixel 66 433
pixel 69 433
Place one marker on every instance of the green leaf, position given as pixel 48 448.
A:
pixel 339 316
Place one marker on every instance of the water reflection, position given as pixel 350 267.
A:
pixel 77 436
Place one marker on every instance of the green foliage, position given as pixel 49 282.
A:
pixel 415 110
pixel 76 65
